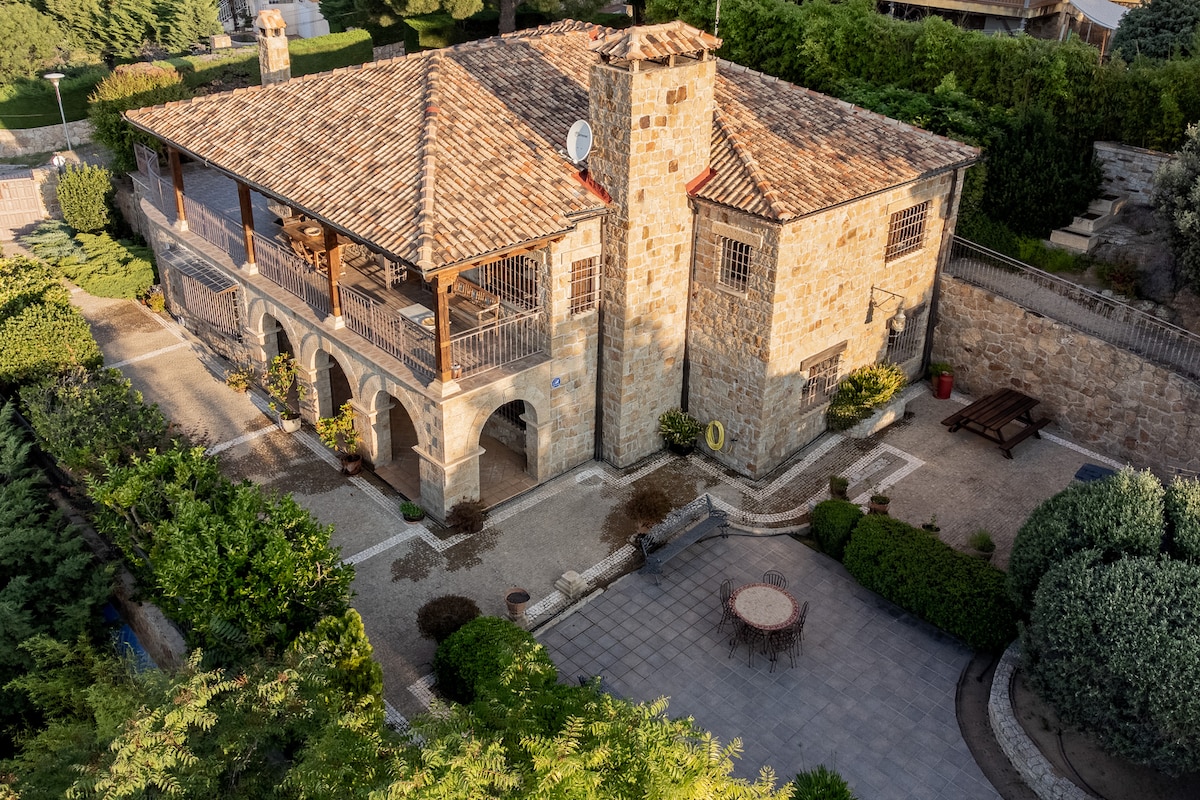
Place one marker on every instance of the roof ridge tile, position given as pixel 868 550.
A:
pixel 426 198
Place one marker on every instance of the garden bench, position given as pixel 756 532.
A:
pixel 657 555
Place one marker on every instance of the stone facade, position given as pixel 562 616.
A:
pixel 653 129
pixel 1129 171
pixel 1102 396
pixel 808 293
pixel 46 139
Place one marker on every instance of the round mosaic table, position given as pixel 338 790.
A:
pixel 765 607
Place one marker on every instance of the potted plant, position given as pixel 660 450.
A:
pixel 981 542
pixel 239 378
pixel 411 511
pixel 838 486
pixel 339 435
pixel 941 375
pixel 280 382
pixel 679 430
pixel 879 503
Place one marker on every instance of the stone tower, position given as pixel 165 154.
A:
pixel 273 60
pixel 651 107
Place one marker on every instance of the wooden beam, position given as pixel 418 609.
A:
pixel 177 182
pixel 247 221
pixel 333 259
pixel 443 284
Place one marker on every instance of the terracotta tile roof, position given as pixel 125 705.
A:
pixel 783 151
pixel 655 41
pixel 445 156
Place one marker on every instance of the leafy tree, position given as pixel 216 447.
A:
pixel 1121 515
pixel 1116 649
pixel 130 86
pixel 83 20
pixel 49 582
pixel 93 420
pixel 42 333
pixel 182 23
pixel 29 40
pixel 1158 29
pixel 242 569
pixel 1177 198
pixel 85 194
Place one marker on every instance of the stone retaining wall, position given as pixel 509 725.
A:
pixel 1024 754
pixel 1129 171
pixel 43 140
pixel 1102 396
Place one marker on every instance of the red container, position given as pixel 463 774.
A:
pixel 942 385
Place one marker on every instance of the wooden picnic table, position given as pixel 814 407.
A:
pixel 989 416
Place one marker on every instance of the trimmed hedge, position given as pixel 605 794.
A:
pixel 1121 515
pixel 960 594
pixel 1115 648
pixel 471 662
pixel 85 194
pixel 832 523
pixel 1181 509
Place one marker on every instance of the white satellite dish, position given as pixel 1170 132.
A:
pixel 579 141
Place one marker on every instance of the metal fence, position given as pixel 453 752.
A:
pixel 1105 318
pixel 511 338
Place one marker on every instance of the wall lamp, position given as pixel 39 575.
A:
pixel 897 322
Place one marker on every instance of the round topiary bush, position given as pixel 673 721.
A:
pixel 471 661
pixel 1115 648
pixel 444 615
pixel 832 523
pixel 1121 515
pixel 85 195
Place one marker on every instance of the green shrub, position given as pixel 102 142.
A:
pixel 87 419
pixel 1181 511
pixel 85 194
pixel 54 241
pixel 961 595
pixel 832 523
pixel 444 615
pixel 241 569
pixel 471 662
pixel 820 783
pixel 1122 514
pixel 1115 648
pixel 112 267
pixel 130 86
pixel 42 333
pixel 862 391
pixel 1123 276
pixel 342 639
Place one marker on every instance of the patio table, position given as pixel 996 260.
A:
pixel 764 607
pixel 989 416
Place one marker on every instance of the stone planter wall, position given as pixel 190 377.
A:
pixel 1129 171
pixel 43 140
pixel 1102 396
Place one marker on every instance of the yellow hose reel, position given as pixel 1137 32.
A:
pixel 714 435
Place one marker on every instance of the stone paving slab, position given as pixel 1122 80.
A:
pixel 872 695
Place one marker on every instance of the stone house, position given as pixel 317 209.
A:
pixel 415 233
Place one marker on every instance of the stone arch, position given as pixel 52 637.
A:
pixel 512 449
pixel 271 331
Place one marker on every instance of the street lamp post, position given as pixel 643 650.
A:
pixel 55 77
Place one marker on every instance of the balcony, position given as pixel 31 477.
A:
pixel 495 315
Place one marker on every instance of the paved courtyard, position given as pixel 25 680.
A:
pixel 872 695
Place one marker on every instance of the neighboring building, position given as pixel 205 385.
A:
pixel 735 244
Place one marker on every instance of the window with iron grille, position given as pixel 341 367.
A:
pixel 903 345
pixel 585 284
pixel 906 231
pixel 735 264
pixel 822 380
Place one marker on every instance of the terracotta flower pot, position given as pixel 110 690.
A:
pixel 352 465
pixel 516 600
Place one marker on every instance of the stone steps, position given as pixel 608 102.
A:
pixel 1078 237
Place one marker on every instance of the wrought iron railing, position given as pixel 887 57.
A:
pixel 383 327
pixel 292 273
pixel 216 229
pixel 498 343
pixel 1081 308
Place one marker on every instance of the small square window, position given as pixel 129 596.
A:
pixel 906 231
pixel 822 380
pixel 735 264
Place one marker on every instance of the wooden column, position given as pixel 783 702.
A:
pixel 443 283
pixel 247 224
pixel 177 181
pixel 333 257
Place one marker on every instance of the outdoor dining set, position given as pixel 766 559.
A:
pixel 765 617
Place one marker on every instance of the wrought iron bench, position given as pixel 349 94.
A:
pixel 658 551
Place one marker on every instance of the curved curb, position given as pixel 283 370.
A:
pixel 1025 756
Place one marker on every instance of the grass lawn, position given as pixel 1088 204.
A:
pixel 30 103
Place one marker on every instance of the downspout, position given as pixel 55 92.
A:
pixel 687 319
pixel 598 446
pixel 943 257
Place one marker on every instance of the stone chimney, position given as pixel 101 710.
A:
pixel 273 60
pixel 651 107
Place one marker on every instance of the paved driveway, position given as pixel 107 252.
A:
pixel 872 695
